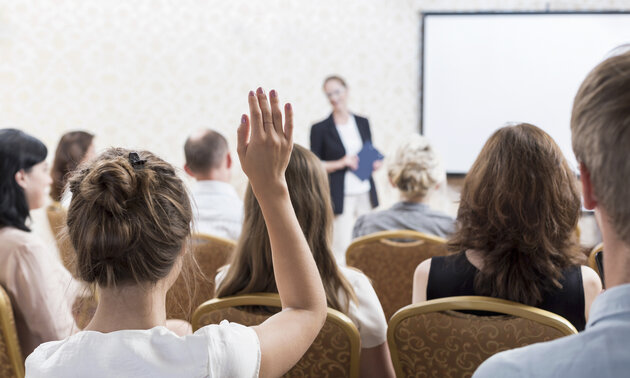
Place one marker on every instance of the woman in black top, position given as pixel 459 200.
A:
pixel 515 236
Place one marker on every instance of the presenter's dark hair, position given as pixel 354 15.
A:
pixel 519 208
pixel 18 151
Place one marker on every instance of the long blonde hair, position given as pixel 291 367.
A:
pixel 251 269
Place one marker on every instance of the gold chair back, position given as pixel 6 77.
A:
pixel 187 293
pixel 334 353
pixel 389 259
pixel 591 258
pixel 434 339
pixel 11 362
pixel 57 219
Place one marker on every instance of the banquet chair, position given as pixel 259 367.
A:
pixel 57 219
pixel 197 286
pixel 334 353
pixel 436 339
pixel 389 259
pixel 11 363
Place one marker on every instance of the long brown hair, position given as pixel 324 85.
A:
pixel 519 208
pixel 129 218
pixel 70 153
pixel 251 268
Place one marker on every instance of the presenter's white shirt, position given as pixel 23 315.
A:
pixel 217 209
pixel 352 143
pixel 223 350
pixel 367 315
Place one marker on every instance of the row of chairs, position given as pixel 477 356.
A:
pixel 431 339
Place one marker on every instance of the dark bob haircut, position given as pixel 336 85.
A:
pixel 18 151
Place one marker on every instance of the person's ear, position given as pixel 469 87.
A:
pixel 590 202
pixel 228 161
pixel 20 178
pixel 188 170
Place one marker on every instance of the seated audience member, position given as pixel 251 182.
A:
pixel 417 172
pixel 600 127
pixel 144 208
pixel 347 290
pixel 515 236
pixel 74 148
pixel 217 209
pixel 42 291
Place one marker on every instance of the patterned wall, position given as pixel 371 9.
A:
pixel 145 74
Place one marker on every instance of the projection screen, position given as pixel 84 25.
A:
pixel 483 71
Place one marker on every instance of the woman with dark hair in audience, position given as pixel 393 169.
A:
pixel 347 290
pixel 416 170
pixel 74 148
pixel 515 236
pixel 129 222
pixel 42 291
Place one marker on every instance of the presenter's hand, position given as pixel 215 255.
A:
pixel 351 162
pixel 377 165
pixel 264 143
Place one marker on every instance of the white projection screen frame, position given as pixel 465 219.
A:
pixel 481 71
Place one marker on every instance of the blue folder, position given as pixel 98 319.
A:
pixel 367 156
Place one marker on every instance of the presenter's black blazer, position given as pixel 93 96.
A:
pixel 326 144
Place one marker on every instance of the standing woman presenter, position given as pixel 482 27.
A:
pixel 336 141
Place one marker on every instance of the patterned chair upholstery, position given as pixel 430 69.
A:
pixel 434 339
pixel 57 219
pixel 389 259
pixel 591 257
pixel 187 293
pixel 11 363
pixel 334 353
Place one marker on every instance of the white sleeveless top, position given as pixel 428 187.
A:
pixel 224 350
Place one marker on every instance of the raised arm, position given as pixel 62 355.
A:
pixel 264 149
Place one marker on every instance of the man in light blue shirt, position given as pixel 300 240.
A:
pixel 600 126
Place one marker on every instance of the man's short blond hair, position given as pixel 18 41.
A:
pixel 600 127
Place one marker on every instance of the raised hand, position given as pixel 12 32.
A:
pixel 264 143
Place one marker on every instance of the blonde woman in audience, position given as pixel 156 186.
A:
pixel 129 221
pixel 347 290
pixel 42 291
pixel 515 236
pixel 417 172
pixel 74 148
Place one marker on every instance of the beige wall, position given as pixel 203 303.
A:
pixel 146 73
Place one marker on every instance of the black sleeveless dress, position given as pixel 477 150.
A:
pixel 454 275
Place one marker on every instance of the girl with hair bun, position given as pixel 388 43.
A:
pixel 129 222
pixel 417 172
pixel 42 291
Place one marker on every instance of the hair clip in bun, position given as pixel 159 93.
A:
pixel 135 160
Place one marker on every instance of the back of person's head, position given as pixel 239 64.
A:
pixel 71 151
pixel 415 168
pixel 205 151
pixel 18 151
pixel 129 218
pixel 519 207
pixel 600 126
pixel 252 270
